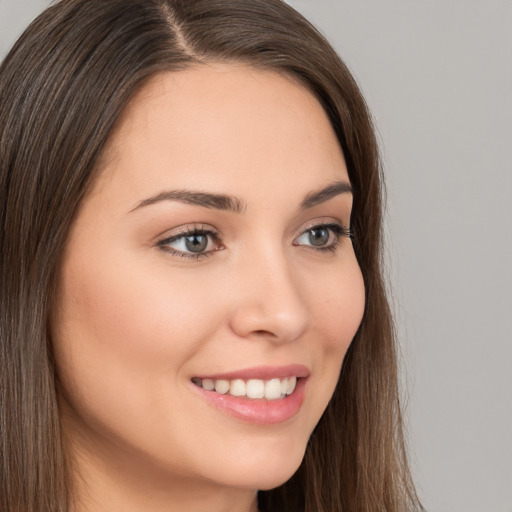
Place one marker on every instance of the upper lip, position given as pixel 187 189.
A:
pixel 261 372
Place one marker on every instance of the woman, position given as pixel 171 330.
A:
pixel 193 315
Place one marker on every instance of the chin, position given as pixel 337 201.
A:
pixel 265 473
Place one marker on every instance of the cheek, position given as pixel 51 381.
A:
pixel 134 320
pixel 338 307
pixel 120 330
pixel 123 343
pixel 337 310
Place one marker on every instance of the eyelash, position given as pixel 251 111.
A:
pixel 337 230
pixel 190 231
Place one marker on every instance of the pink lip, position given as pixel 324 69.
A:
pixel 261 372
pixel 259 411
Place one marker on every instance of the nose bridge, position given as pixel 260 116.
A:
pixel 269 301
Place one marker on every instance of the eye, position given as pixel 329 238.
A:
pixel 323 237
pixel 192 243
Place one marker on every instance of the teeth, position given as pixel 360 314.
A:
pixel 222 386
pixel 238 388
pixel 272 389
pixel 284 386
pixel 208 384
pixel 255 388
pixel 291 385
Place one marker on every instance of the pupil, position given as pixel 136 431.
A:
pixel 319 236
pixel 196 243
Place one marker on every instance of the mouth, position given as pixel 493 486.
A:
pixel 252 389
pixel 263 395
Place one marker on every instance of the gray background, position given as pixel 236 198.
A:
pixel 437 75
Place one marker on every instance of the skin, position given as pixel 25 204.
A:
pixel 135 322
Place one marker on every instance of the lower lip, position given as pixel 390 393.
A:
pixel 258 411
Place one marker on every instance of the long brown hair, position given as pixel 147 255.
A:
pixel 63 86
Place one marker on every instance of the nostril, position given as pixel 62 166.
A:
pixel 263 332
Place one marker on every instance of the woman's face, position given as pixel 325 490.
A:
pixel 211 251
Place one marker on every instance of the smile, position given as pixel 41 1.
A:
pixel 272 389
pixel 262 395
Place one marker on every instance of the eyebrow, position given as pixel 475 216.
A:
pixel 204 199
pixel 233 204
pixel 326 193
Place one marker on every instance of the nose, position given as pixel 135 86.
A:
pixel 268 302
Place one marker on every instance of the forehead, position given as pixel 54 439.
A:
pixel 220 122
